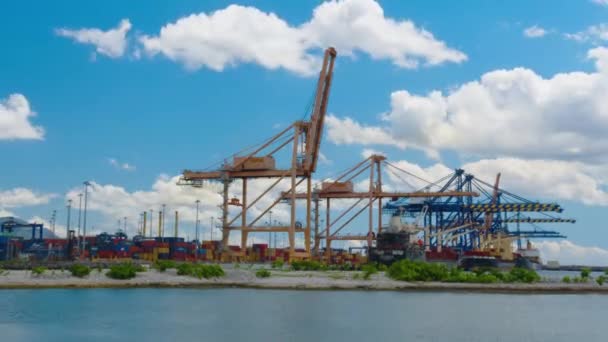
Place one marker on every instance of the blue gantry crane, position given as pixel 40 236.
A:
pixel 461 222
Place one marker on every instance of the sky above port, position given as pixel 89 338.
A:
pixel 128 94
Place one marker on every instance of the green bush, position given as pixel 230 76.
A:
pixel 306 265
pixel 262 273
pixel 407 270
pixel 99 268
pixel 585 273
pixel 163 265
pixel 522 275
pixel 80 271
pixel 38 270
pixel 200 270
pixel 566 279
pixel 382 267
pixel 123 271
pixel 278 264
pixel 600 280
pixel 368 270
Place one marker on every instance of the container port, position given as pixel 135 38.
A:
pixel 456 219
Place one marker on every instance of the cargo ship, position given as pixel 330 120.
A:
pixel 400 240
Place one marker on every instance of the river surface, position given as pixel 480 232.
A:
pixel 272 315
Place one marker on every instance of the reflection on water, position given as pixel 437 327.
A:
pixel 270 315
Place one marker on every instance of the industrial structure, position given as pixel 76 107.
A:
pixel 456 215
pixel 305 140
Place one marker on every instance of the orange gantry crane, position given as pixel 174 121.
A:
pixel 342 188
pixel 305 138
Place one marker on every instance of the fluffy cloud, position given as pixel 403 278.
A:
pixel 21 197
pixel 111 43
pixel 600 2
pixel 239 34
pixel 594 33
pixel 114 202
pixel 568 253
pixel 535 32
pixel 536 179
pixel 15 115
pixel 562 117
pixel 121 166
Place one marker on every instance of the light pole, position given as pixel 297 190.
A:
pixel 84 216
pixel 211 232
pixel 125 225
pixel 67 235
pixel 79 215
pixel 198 202
pixel 163 231
pixel 151 222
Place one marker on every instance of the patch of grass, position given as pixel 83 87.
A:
pixel 200 270
pixel 38 270
pixel 566 279
pixel 123 271
pixel 80 271
pixel 237 266
pixel 357 276
pixel 99 268
pixel 278 264
pixel 262 273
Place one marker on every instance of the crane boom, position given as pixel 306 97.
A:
pixel 315 130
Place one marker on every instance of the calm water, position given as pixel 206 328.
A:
pixel 269 315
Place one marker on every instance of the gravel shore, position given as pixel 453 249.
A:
pixel 301 280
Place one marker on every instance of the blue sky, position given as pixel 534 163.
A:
pixel 159 115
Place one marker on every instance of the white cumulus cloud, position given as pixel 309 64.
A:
pixel 535 32
pixel 239 34
pixel 15 115
pixel 514 112
pixel 120 165
pixel 568 253
pixel 111 43
pixel 21 197
pixel 594 33
pixel 535 179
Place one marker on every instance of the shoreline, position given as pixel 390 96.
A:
pixel 282 280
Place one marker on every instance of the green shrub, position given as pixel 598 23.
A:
pixel 163 265
pixel 566 279
pixel 306 265
pixel 200 270
pixel 278 264
pixel 368 270
pixel 38 270
pixel 382 267
pixel 357 276
pixel 262 273
pixel 585 273
pixel 522 275
pixel 123 271
pixel 600 280
pixel 80 271
pixel 408 270
pixel 99 268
